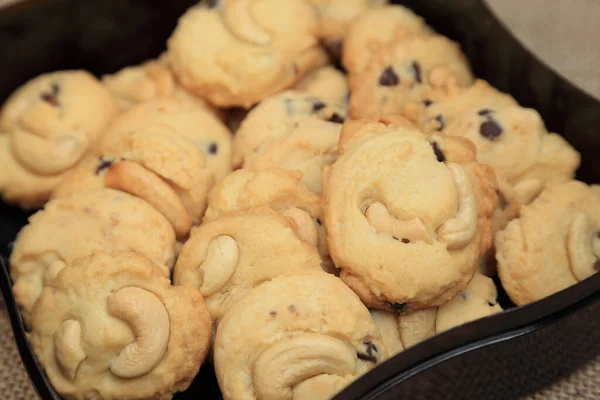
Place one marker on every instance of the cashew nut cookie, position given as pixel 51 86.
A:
pixel 282 191
pixel 334 17
pixel 407 215
pixel 147 81
pixel 302 336
pixel 376 29
pixel 46 126
pixel 228 256
pixel 277 116
pixel 478 300
pixel 67 229
pixel 111 326
pixel 554 244
pixel 404 72
pixel 511 139
pixel 310 146
pixel 256 49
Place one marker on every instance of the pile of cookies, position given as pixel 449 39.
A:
pixel 242 201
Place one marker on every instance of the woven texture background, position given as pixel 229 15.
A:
pixel 564 34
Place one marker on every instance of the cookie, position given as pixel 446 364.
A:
pixel 554 244
pixel 404 72
pixel 245 189
pixel 67 229
pixel 176 117
pixel 334 18
pixel 478 300
pixel 278 115
pixel 511 139
pixel 111 326
pixel 378 28
pixel 514 141
pixel 155 164
pixel 148 81
pixel 278 189
pixel 46 126
pixel 227 257
pixel 328 84
pixel 387 324
pixel 256 49
pixel 308 147
pixel 308 329
pixel 399 205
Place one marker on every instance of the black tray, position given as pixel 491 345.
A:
pixel 500 357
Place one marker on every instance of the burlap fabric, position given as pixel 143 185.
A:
pixel 564 34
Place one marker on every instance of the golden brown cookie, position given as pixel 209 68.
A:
pixel 147 81
pixel 256 49
pixel 404 73
pixel 230 255
pixel 308 147
pixel 407 216
pixel 554 244
pixel 277 116
pixel 67 229
pixel 281 190
pixel 511 139
pixel 308 329
pixel 46 126
pixel 334 17
pixel 155 164
pixel 478 300
pixel 375 29
pixel 111 326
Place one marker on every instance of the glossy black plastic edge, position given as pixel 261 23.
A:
pixel 564 107
pixel 505 326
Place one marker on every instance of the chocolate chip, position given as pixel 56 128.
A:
pixel 213 148
pixel 441 122
pixel 427 102
pixel 337 118
pixel 439 154
pixel 273 314
pixel 388 77
pixel 395 238
pixel 319 222
pixel 464 296
pixel 485 112
pixel 292 308
pixel 597 265
pixel 490 130
pixel 417 71
pixel 491 304
pixel 397 307
pixel 318 105
pixel 370 352
pixel 103 164
pixel 404 240
pixel 50 98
